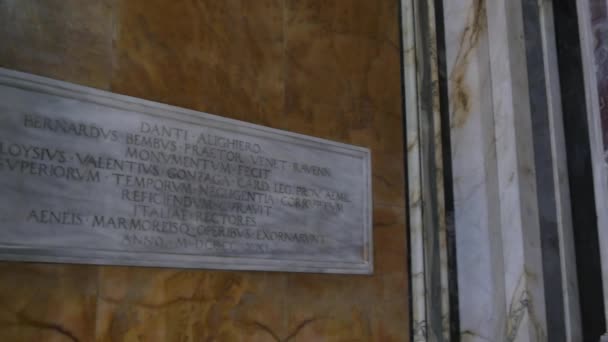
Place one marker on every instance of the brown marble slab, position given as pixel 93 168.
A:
pixel 323 68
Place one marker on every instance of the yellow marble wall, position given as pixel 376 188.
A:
pixel 327 68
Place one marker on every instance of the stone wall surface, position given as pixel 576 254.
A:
pixel 329 69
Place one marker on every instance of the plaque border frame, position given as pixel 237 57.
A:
pixel 35 83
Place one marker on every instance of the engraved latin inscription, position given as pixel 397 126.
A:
pixel 185 189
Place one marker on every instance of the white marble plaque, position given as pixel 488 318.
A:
pixel 88 176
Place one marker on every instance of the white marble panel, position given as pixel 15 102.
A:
pixel 417 269
pixel 479 249
pixel 175 209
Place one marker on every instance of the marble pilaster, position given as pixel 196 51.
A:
pixel 520 231
pixel 428 235
pixel 510 177
pixel 515 259
pixel 479 251
pixel 417 267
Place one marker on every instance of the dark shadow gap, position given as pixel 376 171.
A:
pixel 580 174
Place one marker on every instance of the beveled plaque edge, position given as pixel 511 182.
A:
pixel 40 84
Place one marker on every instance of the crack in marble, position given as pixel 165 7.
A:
pixel 516 316
pixel 24 320
pixel 469 333
pixel 291 335
pixel 419 330
pixel 517 309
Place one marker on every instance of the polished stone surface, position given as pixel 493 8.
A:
pixel 426 262
pixel 325 68
pixel 147 184
pixel 418 270
pixel 512 219
pixel 593 21
pixel 431 308
pixel 479 252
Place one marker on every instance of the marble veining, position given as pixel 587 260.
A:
pixel 518 309
pixel 500 263
pixel 417 265
pixel 478 246
pixel 430 294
